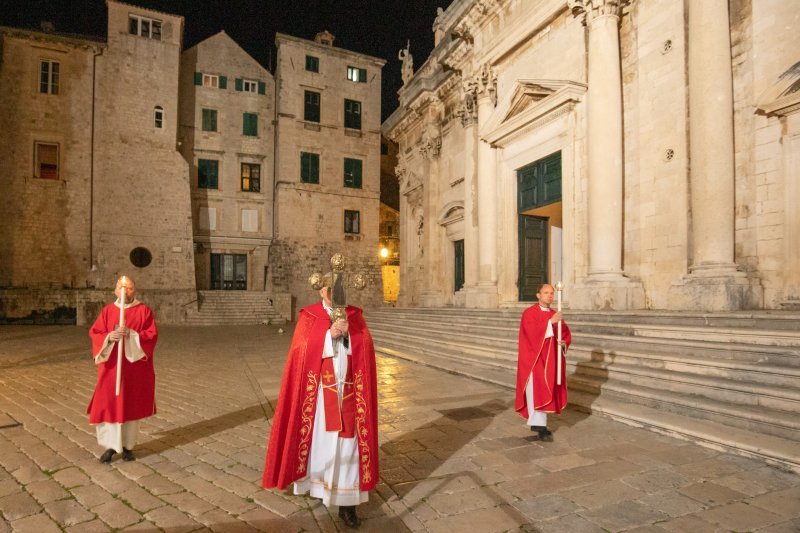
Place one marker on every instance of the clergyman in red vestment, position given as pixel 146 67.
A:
pixel 324 436
pixel 116 417
pixel 537 391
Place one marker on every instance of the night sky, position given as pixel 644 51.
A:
pixel 376 27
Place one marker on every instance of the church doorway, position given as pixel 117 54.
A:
pixel 229 272
pixel 458 264
pixel 540 223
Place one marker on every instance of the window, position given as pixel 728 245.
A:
pixel 249 220
pixel 250 124
pixel 352 114
pixel 144 27
pixel 250 86
pixel 251 177
pixel 352 173
pixel 311 109
pixel 207 218
pixel 210 80
pixel 351 221
pixel 357 74
pixel 46 157
pixel 207 174
pixel 309 167
pixel 312 64
pixel 48 76
pixel 209 120
pixel 158 117
pixel 384 149
pixel 141 257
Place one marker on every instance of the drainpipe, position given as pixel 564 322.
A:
pixel 91 163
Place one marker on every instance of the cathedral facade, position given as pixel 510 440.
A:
pixel 643 153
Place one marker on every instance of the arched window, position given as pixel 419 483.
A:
pixel 158 117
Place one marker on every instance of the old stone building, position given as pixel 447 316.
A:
pixel 127 155
pixel 227 110
pixel 644 153
pixel 327 161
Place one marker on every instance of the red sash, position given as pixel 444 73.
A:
pixel 340 415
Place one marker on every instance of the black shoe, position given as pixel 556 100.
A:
pixel 545 435
pixel 107 456
pixel 348 515
pixel 127 455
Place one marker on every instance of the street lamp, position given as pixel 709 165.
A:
pixel 384 252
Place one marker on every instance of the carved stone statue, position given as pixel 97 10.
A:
pixel 405 56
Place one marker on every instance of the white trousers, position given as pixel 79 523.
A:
pixel 535 418
pixel 115 437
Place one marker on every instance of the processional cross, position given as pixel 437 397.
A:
pixel 338 286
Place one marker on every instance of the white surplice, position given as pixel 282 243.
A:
pixel 537 418
pixel 333 461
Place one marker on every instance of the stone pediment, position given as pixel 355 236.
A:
pixel 529 103
pixel 783 97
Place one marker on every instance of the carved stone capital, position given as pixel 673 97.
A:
pixel 486 83
pixel 588 10
pixel 468 110
pixel 430 146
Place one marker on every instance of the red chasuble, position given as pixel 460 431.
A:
pixel 293 422
pixel 538 355
pixel 137 390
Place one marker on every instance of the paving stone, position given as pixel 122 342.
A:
pixel 275 503
pixel 463 501
pixel 170 519
pixel 547 507
pixel 158 484
pixel 93 526
pixel 188 503
pixel 29 474
pixel 116 514
pixel 71 477
pixel 783 502
pixel 625 515
pixel 18 505
pixel 68 512
pixel 485 520
pixel 38 523
pixel 140 500
pixel 602 494
pixel 710 493
pixel 91 496
pixel 672 503
pixel 264 520
pixel 572 523
pixel 740 516
pixel 792 526
pixel 46 491
pixel 9 486
pixel 655 481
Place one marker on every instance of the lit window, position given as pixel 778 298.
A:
pixel 210 80
pixel 158 117
pixel 144 27
pixel 251 177
pixel 357 74
pixel 48 76
pixel 46 157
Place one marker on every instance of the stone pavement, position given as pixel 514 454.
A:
pixel 455 456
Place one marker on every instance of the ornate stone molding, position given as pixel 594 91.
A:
pixel 588 10
pixel 468 110
pixel 430 146
pixel 464 31
pixel 486 83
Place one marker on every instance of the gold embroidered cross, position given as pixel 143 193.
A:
pixel 327 376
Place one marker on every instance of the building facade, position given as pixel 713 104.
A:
pixel 227 135
pixel 327 160
pixel 643 153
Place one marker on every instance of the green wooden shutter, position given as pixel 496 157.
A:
pixel 223 82
pixel 362 75
pixel 314 168
pixel 198 78
pixel 250 124
pixel 262 88
pixel 304 167
pixel 239 84
pixel 357 174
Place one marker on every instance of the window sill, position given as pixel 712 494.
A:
pixel 351 132
pixel 312 126
pixel 352 237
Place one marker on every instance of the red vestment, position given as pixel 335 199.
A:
pixel 538 355
pixel 138 386
pixel 293 421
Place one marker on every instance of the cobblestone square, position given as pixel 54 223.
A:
pixel 454 456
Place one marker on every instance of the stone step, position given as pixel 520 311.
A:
pixel 775 450
pixel 772 402
pixel 507 339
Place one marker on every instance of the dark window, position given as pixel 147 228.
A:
pixel 251 177
pixel 49 72
pixel 144 27
pixel 46 157
pixel 352 224
pixel 352 114
pixel 158 117
pixel 458 263
pixel 312 64
pixel 209 120
pixel 309 167
pixel 311 108
pixel 384 149
pixel 141 257
pixel 352 173
pixel 250 124
pixel 207 174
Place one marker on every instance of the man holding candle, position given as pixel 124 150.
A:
pixel 539 391
pixel 126 380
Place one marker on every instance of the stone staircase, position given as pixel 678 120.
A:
pixel 726 380
pixel 218 308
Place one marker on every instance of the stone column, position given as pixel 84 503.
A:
pixel 486 292
pixel 469 116
pixel 433 285
pixel 714 282
pixel 606 286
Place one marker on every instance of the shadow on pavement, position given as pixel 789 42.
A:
pixel 192 432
